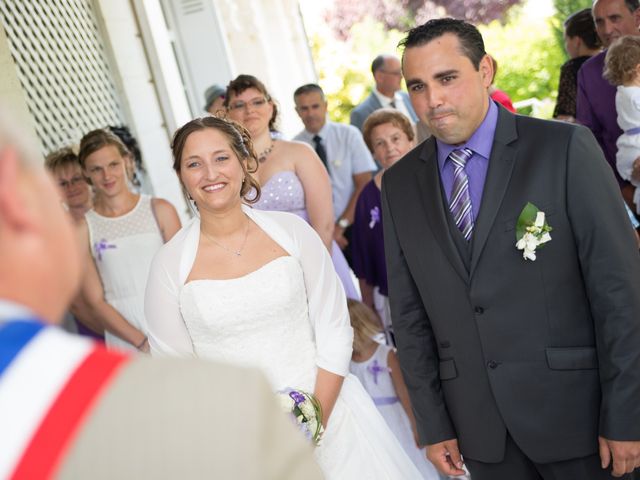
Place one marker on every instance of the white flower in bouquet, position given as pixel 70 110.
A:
pixel 307 409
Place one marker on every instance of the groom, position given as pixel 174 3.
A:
pixel 529 368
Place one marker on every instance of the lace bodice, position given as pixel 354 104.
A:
pixel 260 319
pixel 123 248
pixel 283 192
pixel 139 221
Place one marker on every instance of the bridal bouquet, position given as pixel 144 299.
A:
pixel 305 410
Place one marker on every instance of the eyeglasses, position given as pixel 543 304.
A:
pixel 71 183
pixel 395 73
pixel 256 103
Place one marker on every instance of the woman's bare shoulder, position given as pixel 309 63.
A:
pixel 296 148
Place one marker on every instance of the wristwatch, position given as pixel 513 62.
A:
pixel 344 223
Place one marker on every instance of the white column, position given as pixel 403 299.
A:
pixel 136 88
pixel 267 39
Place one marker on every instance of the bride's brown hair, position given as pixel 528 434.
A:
pixel 239 141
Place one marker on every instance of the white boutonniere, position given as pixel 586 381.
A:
pixel 532 231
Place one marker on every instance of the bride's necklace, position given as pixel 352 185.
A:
pixel 238 252
pixel 265 153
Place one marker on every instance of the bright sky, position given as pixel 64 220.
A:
pixel 539 8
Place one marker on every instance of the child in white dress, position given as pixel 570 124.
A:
pixel 376 366
pixel 622 69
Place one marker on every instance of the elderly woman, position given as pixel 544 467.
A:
pixel 65 168
pixel 389 136
pixel 67 172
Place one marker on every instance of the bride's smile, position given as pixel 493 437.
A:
pixel 211 171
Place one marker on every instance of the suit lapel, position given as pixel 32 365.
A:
pixel 498 176
pixel 429 185
pixel 375 103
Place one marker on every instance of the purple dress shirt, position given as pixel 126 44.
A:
pixel 480 143
pixel 596 108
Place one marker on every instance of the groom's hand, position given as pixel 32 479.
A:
pixel 445 456
pixel 626 455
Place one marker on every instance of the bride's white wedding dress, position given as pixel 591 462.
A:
pixel 286 318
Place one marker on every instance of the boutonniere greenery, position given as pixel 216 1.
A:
pixel 532 231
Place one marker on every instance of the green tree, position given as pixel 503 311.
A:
pixel 404 14
pixel 529 60
pixel 344 67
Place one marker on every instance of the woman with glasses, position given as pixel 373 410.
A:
pixel 291 174
pixel 123 232
pixel 65 168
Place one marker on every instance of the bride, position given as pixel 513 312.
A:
pixel 258 288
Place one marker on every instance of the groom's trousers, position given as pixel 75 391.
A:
pixel 517 466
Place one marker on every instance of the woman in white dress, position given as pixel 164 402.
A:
pixel 122 233
pixel 258 288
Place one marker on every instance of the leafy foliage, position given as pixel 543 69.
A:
pixel 529 60
pixel 344 67
pixel 403 14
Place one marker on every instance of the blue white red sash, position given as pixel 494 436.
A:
pixel 49 381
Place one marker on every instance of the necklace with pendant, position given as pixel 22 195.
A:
pixel 238 252
pixel 264 154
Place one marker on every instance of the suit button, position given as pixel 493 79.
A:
pixel 492 364
pixel 479 310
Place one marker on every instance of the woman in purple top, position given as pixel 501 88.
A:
pixel 389 136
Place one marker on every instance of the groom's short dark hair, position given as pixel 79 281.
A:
pixel 470 39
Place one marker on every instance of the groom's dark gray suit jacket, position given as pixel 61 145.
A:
pixel 548 350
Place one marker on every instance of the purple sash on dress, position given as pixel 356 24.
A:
pixel 385 400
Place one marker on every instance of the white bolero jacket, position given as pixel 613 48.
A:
pixel 167 331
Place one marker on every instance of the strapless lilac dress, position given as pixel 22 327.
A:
pixel 284 192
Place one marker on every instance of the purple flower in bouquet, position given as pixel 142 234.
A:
pixel 297 397
pixel 305 410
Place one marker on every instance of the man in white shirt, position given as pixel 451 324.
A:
pixel 387 75
pixel 342 150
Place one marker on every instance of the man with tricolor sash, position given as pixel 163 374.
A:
pixel 70 409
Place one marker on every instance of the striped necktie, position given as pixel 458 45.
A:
pixel 460 200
